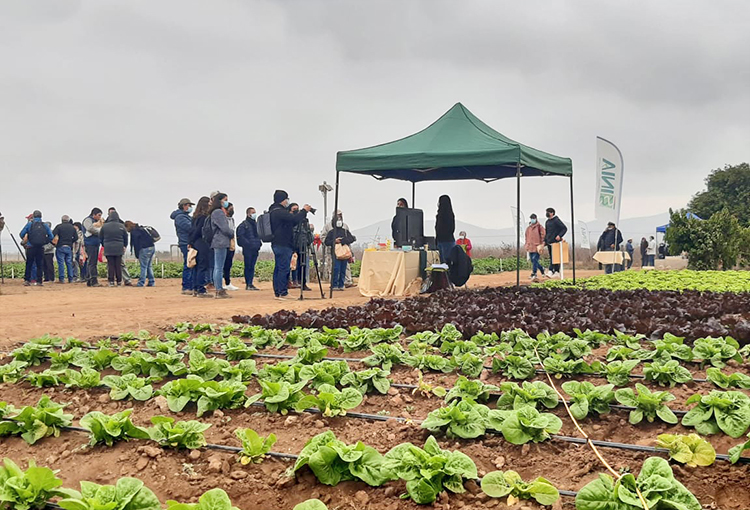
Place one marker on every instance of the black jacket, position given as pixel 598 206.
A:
pixel 140 239
pixel 114 236
pixel 282 224
pixel 460 266
pixel 247 235
pixel 195 238
pixel 609 238
pixel 66 234
pixel 346 237
pixel 554 227
pixel 445 225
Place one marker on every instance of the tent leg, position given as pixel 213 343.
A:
pixel 518 224
pixel 573 227
pixel 333 246
pixel 413 194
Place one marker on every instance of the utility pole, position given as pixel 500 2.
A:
pixel 325 188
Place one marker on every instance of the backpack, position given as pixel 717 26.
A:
pixel 207 232
pixel 38 235
pixel 265 232
pixel 152 232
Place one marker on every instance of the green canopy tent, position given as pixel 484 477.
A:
pixel 457 146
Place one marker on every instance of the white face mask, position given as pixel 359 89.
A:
pixel 253 216
pixel 339 223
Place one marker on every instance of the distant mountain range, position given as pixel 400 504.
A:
pixel 631 228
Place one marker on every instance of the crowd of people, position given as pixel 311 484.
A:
pixel 80 246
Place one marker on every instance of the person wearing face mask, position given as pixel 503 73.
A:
pixel 282 225
pixel 249 241
pixel 182 225
pixel 555 229
pixel 223 234
pixel 534 241
pixel 339 235
pixel 610 239
pixel 229 261
pixel 464 242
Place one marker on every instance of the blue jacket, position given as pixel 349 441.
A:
pixel 247 235
pixel 182 225
pixel 27 227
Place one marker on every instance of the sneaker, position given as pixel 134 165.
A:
pixel 231 287
pixel 251 287
pixel 27 284
pixel 111 284
pixel 550 274
pixel 188 293
pixel 339 289
pixel 222 294
pixel 128 283
pixel 151 284
pixel 535 278
pixel 307 289
pixel 40 284
pixel 283 298
pixel 532 277
pixel 95 284
pixel 140 285
pixel 203 295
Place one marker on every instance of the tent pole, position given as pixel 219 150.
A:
pixel 518 224
pixel 573 227
pixel 333 246
pixel 413 194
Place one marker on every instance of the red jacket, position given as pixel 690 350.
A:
pixel 466 243
pixel 534 237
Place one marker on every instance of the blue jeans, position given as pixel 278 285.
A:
pixel 220 255
pixel 535 265
pixel 651 260
pixel 250 257
pixel 282 262
pixel 187 273
pixel 445 249
pixel 64 255
pixel 339 274
pixel 145 258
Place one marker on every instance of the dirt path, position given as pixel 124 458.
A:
pixel 76 310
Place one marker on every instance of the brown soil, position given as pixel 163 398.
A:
pixel 77 310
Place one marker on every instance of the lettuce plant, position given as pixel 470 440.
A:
pixel 735 452
pixel 726 411
pixel 254 447
pixel 483 339
pixel 333 461
pixel 464 389
pixel 514 367
pixel 588 399
pixel 691 450
pixel 368 381
pixel 126 494
pixel 429 361
pixel 214 499
pixel 330 401
pixel 130 385
pixel 618 372
pixel 287 371
pixel 429 471
pixel 619 352
pixel 60 360
pixel 656 483
pixel 280 397
pixel 498 484
pixel 181 391
pixel 33 423
pixel 108 429
pixel 99 359
pixel 243 371
pixel 629 341
pixel 668 373
pixel 45 379
pixel 668 348
pixel 31 353
pixel 532 394
pixel 385 356
pixel 220 395
pixel 468 364
pixel 648 405
pixel 464 418
pixel 716 351
pixel 519 426
pixel 236 349
pixel 204 367
pixel 458 347
pixel 559 367
pixel 311 504
pixel 12 372
pixel 323 373
pixel 203 343
pixel 31 489
pixel 181 434
pixel 724 381
pixel 311 353
pixel 575 348
pixel 85 378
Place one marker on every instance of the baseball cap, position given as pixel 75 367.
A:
pixel 185 201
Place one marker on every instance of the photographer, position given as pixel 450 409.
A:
pixel 303 239
pixel 282 226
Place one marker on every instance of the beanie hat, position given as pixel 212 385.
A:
pixel 279 196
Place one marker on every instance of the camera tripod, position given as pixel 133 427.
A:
pixel 305 253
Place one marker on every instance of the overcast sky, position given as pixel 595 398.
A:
pixel 139 103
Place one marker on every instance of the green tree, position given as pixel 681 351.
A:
pixel 726 188
pixel 719 242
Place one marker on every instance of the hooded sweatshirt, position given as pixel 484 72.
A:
pixel 182 225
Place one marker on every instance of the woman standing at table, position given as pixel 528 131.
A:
pixel 445 225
